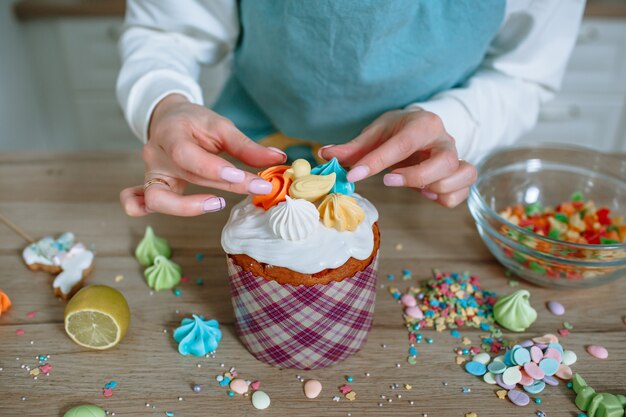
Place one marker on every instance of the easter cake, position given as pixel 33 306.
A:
pixel 302 264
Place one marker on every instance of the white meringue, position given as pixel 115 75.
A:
pixel 293 219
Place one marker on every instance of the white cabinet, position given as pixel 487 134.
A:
pixel 591 107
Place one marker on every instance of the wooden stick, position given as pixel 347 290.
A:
pixel 16 229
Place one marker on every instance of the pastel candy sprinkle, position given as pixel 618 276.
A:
pixel 504 385
pixel 536 354
pixel 489 378
pixel 549 366
pixel 598 351
pixel 408 300
pixel 255 385
pixel 238 386
pixel 569 357
pixel 552 353
pixel 414 312
pixel 312 388
pixel 260 400
pixel 564 372
pixel 521 356
pixel 518 397
pixel 535 388
pixel 550 380
pixel 475 368
pixel 496 367
pixel 556 308
pixel 512 376
pixel 482 358
pixel 533 370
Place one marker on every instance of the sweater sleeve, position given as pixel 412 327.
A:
pixel 164 45
pixel 522 70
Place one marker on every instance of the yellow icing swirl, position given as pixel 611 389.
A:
pixel 341 212
pixel 305 185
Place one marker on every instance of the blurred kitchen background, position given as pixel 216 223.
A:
pixel 59 63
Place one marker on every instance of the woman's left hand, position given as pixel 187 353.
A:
pixel 416 147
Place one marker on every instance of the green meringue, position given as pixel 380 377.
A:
pixel 514 311
pixel 150 247
pixel 163 275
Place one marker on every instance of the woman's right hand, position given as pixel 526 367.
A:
pixel 183 142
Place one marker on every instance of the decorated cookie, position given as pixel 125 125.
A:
pixel 69 260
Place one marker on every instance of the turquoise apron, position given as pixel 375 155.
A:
pixel 322 70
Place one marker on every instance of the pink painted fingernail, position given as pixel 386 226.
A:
pixel 213 204
pixel 393 180
pixel 278 151
pixel 232 174
pixel 430 195
pixel 319 152
pixel 358 173
pixel 260 187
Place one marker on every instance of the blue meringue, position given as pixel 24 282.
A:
pixel 342 185
pixel 197 336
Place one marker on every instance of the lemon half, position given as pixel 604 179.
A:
pixel 97 317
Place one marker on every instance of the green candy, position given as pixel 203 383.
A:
pixel 514 311
pixel 577 196
pixel 85 410
pixel 150 247
pixel 163 275
pixel 534 208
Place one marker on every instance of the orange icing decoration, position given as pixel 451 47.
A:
pixel 280 186
pixel 5 302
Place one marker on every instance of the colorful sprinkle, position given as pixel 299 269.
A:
pixel 556 308
pixel 597 351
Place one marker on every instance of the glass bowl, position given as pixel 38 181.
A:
pixel 549 175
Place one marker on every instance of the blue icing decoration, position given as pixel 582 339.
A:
pixel 342 186
pixel 197 336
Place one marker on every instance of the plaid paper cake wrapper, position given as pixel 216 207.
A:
pixel 303 327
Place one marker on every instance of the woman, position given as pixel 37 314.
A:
pixel 406 85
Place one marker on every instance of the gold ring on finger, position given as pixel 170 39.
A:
pixel 153 181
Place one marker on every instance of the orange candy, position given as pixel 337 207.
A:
pixel 5 302
pixel 280 186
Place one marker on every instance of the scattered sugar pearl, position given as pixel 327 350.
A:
pixel 197 388
pixel 199 365
pixel 411 402
pixel 180 398
pixel 366 373
pixel 147 404
pixel 23 398
pixel 556 308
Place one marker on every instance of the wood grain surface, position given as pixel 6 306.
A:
pixel 52 193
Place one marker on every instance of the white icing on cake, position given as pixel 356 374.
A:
pixel 248 231
pixel 293 219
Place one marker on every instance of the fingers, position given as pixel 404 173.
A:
pixel 443 162
pixel 462 178
pixel 132 200
pixel 449 200
pixel 246 150
pixel 206 169
pixel 349 153
pixel 160 198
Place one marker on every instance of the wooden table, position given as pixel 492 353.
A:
pixel 48 194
